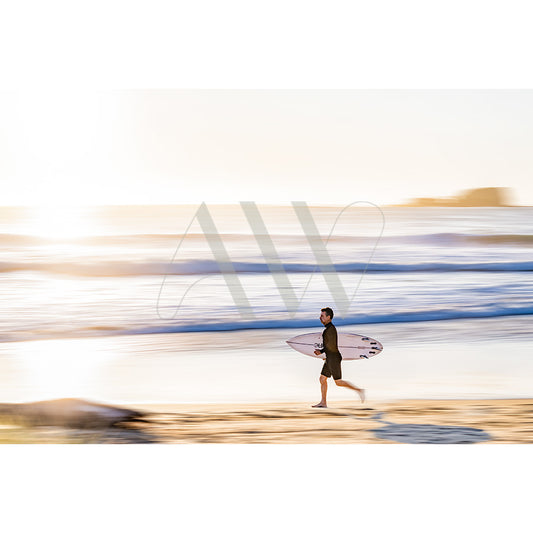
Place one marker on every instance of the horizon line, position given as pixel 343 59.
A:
pixel 284 204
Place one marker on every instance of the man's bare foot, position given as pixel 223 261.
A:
pixel 361 393
pixel 320 405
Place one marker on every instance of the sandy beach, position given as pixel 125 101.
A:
pixel 504 421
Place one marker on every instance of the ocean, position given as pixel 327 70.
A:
pixel 141 283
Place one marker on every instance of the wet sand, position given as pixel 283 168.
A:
pixel 503 421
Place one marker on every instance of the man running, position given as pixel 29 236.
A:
pixel 332 364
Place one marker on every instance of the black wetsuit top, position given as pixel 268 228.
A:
pixel 332 364
pixel 329 340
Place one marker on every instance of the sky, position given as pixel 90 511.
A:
pixel 272 146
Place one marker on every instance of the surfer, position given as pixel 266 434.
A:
pixel 332 364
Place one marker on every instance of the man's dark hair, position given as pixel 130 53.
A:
pixel 328 311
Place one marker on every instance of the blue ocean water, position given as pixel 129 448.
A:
pixel 99 271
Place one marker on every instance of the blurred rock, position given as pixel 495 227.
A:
pixel 66 412
pixel 482 197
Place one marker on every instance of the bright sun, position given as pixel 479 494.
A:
pixel 61 222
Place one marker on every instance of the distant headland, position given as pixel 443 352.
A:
pixel 483 197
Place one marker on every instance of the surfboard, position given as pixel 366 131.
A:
pixel 351 346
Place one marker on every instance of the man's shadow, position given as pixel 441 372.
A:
pixel 428 433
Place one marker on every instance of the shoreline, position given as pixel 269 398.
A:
pixel 483 421
pixel 473 421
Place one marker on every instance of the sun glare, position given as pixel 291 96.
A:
pixel 61 222
pixel 60 368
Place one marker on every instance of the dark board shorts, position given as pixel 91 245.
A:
pixel 332 367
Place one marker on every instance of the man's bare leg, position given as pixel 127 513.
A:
pixel 323 390
pixel 344 383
